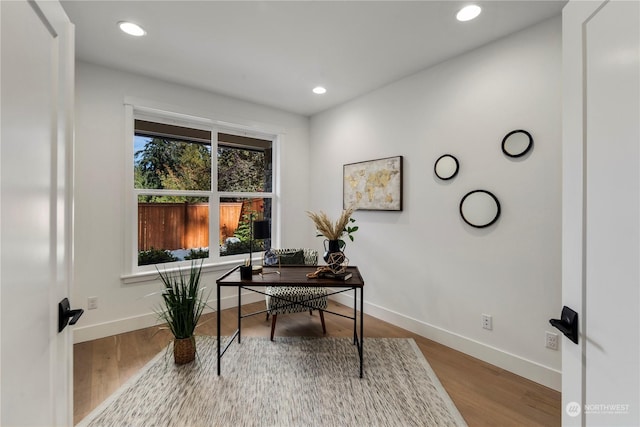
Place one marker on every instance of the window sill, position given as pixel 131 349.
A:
pixel 151 276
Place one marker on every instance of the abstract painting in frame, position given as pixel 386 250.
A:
pixel 374 185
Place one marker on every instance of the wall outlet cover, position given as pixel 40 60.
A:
pixel 551 340
pixel 487 322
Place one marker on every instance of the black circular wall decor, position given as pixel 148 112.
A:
pixel 479 208
pixel 517 143
pixel 446 167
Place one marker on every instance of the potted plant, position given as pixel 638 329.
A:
pixel 333 232
pixel 183 304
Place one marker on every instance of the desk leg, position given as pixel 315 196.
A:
pixel 361 329
pixel 355 315
pixel 218 327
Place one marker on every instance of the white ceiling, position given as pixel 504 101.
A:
pixel 275 52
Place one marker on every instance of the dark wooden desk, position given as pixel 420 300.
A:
pixel 292 276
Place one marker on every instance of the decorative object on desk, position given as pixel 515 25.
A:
pixel 249 262
pixel 479 208
pixel 262 231
pixel 446 167
pixel 334 231
pixel 332 247
pixel 373 185
pixel 337 262
pixel 259 229
pixel 270 258
pixel 183 303
pixel 284 257
pixel 312 377
pixel 246 272
pixel 517 143
pixel 325 272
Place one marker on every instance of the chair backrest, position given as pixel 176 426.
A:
pixel 310 255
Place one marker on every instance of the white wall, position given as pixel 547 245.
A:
pixel 424 268
pixel 101 228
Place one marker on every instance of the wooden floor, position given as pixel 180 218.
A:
pixel 484 394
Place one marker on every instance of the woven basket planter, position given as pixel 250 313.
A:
pixel 184 350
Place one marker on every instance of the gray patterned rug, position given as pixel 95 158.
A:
pixel 288 382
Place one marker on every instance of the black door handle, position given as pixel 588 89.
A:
pixel 567 324
pixel 66 316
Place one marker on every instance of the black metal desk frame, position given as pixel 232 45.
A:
pixel 232 279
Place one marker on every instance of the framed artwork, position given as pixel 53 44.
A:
pixel 374 185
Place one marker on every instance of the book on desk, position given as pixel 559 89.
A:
pixel 336 276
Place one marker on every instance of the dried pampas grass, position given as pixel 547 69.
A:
pixel 327 228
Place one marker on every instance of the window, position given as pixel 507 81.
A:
pixel 181 188
pixel 245 181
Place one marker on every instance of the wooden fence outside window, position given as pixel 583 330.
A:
pixel 174 226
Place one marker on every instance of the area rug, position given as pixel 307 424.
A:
pixel 287 382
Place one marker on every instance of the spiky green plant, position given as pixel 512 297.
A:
pixel 184 301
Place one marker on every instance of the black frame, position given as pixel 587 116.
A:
pixel 435 167
pixel 525 151
pixel 497 206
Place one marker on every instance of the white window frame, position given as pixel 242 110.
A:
pixel 132 272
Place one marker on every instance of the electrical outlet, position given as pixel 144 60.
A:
pixel 92 303
pixel 487 322
pixel 551 340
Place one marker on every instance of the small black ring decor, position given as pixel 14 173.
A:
pixel 448 174
pixel 520 151
pixel 473 197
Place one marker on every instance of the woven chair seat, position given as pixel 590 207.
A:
pixel 314 298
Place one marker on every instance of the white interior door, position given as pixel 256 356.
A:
pixel 601 225
pixel 36 222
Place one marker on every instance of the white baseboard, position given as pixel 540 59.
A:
pixel 520 366
pixel 128 324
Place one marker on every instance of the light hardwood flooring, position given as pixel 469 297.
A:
pixel 484 394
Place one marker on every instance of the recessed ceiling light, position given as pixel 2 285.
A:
pixel 468 13
pixel 319 90
pixel 131 28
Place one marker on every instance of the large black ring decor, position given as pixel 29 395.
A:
pixel 517 143
pixel 446 167
pixel 479 208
